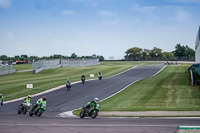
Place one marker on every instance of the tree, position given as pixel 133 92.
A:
pixel 179 51
pixel 3 58
pixel 134 53
pixel 101 58
pixel 74 56
pixel 156 53
pixel 145 54
pixel 190 53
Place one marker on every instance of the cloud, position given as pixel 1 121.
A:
pixel 182 15
pixel 109 18
pixel 189 1
pixel 141 8
pixel 68 12
pixel 5 3
pixel 10 36
pixel 105 13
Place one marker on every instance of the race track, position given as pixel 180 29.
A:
pixel 62 100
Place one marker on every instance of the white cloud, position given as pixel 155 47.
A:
pixel 10 36
pixel 110 22
pixel 68 12
pixel 141 8
pixel 105 13
pixel 189 1
pixel 182 15
pixel 5 3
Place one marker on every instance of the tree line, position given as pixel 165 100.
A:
pixel 181 52
pixel 27 58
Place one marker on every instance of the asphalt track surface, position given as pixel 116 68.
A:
pixel 62 100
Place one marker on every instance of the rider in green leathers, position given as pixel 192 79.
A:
pixel 1 98
pixel 27 99
pixel 91 104
pixel 41 101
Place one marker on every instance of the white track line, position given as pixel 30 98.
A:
pixel 88 125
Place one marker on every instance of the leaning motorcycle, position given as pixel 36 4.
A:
pixel 92 113
pixel 37 111
pixel 24 107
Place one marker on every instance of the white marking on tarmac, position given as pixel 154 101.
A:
pixel 88 125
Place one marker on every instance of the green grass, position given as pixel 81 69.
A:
pixel 19 67
pixel 14 85
pixel 169 90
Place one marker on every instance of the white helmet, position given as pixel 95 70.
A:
pixel 96 100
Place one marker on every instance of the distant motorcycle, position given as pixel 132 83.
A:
pixel 100 77
pixel 68 86
pixel 24 107
pixel 37 111
pixel 83 80
pixel 93 113
pixel 0 104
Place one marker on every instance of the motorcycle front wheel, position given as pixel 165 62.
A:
pixel 40 113
pixel 81 115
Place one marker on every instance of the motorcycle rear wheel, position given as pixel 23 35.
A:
pixel 31 113
pixel 94 114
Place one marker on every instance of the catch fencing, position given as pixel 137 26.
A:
pixel 51 64
pixel 6 69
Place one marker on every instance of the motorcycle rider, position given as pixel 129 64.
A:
pixel 1 98
pixel 99 75
pixel 91 104
pixel 83 77
pixel 26 100
pixel 68 84
pixel 40 101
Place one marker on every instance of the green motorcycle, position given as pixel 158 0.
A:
pixel 38 110
pixel 93 112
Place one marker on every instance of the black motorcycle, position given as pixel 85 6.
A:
pixel 100 77
pixel 92 113
pixel 83 80
pixel 37 110
pixel 24 107
pixel 68 86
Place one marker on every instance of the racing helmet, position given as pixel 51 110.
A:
pixel 44 98
pixel 96 100
pixel 0 95
pixel 29 96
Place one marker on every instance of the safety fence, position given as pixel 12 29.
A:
pixel 51 64
pixel 6 69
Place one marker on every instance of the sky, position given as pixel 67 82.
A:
pixel 101 27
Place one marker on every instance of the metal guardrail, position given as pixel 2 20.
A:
pixel 6 69
pixel 51 64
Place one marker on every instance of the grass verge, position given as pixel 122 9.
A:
pixel 20 67
pixel 167 91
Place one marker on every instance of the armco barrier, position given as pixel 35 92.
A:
pixel 51 64
pixel 7 69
